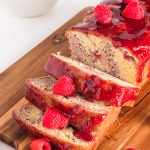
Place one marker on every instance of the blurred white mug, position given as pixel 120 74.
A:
pixel 31 8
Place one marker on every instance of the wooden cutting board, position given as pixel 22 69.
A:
pixel 131 130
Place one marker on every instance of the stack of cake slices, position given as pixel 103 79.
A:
pixel 75 105
pixel 91 109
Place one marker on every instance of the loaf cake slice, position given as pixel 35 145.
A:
pixel 120 48
pixel 30 118
pixel 83 114
pixel 92 83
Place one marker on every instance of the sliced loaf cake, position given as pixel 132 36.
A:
pixel 120 47
pixel 92 83
pixel 83 114
pixel 30 118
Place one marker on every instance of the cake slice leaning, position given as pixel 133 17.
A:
pixel 84 115
pixel 93 83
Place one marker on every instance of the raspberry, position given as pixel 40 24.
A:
pixel 53 119
pixel 128 1
pixel 40 144
pixel 133 11
pixel 64 86
pixel 103 14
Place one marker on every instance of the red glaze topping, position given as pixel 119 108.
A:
pixel 97 119
pixel 128 1
pixel 129 33
pixel 94 120
pixel 118 95
pixel 84 135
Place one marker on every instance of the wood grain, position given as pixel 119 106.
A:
pixel 31 65
pixel 128 123
pixel 132 125
pixel 141 138
pixel 10 132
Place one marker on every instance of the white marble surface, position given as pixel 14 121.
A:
pixel 19 35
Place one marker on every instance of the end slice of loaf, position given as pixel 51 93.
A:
pixel 80 111
pixel 91 82
pixel 29 117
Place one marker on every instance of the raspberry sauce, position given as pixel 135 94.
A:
pixel 128 33
pixel 86 136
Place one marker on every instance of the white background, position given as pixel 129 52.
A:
pixel 19 35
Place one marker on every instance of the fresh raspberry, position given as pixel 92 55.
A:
pixel 53 119
pixel 64 86
pixel 128 1
pixel 133 11
pixel 103 14
pixel 40 144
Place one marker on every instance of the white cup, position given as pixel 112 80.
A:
pixel 31 8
